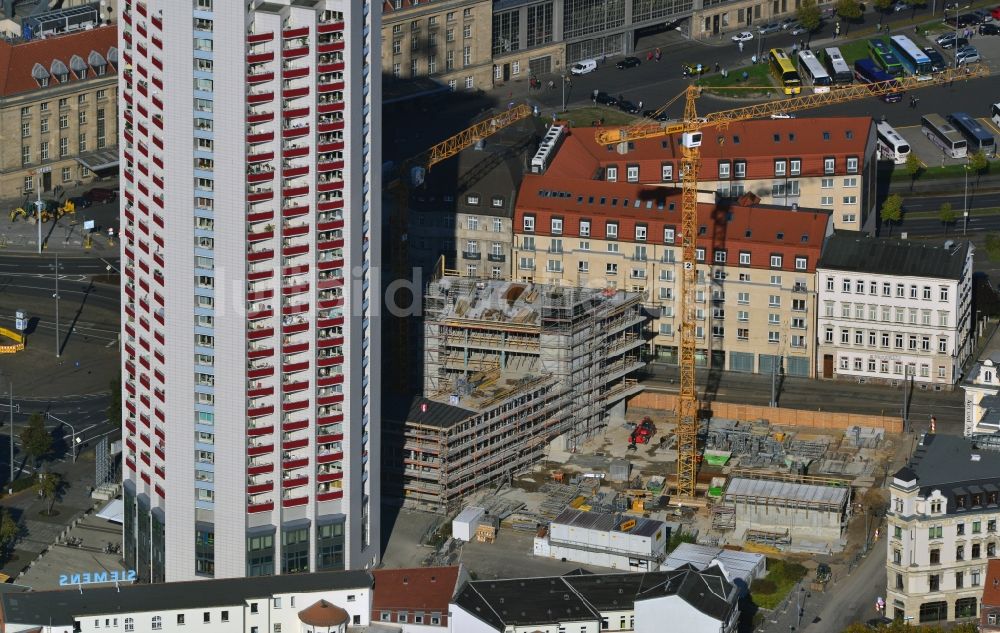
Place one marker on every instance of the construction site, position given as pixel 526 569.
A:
pixel 510 369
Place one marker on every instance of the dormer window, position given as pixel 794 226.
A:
pixel 59 70
pixel 40 75
pixel 936 507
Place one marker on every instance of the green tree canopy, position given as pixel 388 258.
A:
pixel 849 9
pixel 947 214
pixel 36 441
pixel 9 530
pixel 50 486
pixel 892 210
pixel 913 168
pixel 809 15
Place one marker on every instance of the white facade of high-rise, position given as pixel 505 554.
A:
pixel 250 244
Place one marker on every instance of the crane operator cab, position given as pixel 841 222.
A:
pixel 691 140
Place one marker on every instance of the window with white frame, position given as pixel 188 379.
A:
pixel 611 230
pixel 826 183
pixel 779 167
pixel 801 263
pixel 584 228
pixel 529 223
pixel 611 268
pixel 699 254
pixel 667 172
pixel 611 174
pixel 640 232
pixel 775 261
pixel 744 258
pixel 632 173
pixel 724 169
pixel 740 169
pixel 829 165
pixel 557 226
pixel 851 181
pixel 852 164
pixel 583 266
pixel 850 199
pixel 668 235
pixel 795 166
pixel 720 256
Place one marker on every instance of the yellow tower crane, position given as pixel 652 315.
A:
pixel 691 129
pixel 409 174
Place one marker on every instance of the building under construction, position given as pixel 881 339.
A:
pixel 508 369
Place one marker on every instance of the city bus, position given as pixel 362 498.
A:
pixel 884 57
pixel 891 146
pixel 837 66
pixel 784 71
pixel 944 135
pixel 976 136
pixel 813 72
pixel 914 60
pixel 868 72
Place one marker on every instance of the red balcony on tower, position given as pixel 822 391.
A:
pixel 253 508
pixel 255 334
pixel 260 372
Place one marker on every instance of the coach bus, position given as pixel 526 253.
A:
pixel 813 72
pixel 891 146
pixel 837 66
pixel 884 57
pixel 976 136
pixel 914 60
pixel 784 71
pixel 868 72
pixel 944 135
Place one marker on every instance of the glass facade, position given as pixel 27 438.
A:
pixel 330 546
pixel 506 32
pixel 656 9
pixel 260 555
pixel 128 500
pixel 584 17
pixel 157 546
pixel 295 550
pixel 142 566
pixel 204 550
pixel 539 24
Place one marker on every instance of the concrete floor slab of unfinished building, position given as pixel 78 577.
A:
pixel 62 559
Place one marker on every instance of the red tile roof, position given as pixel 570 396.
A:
pixel 425 588
pixel 811 140
pixel 18 60
pixel 991 589
pixel 760 230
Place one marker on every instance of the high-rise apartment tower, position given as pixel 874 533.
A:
pixel 250 237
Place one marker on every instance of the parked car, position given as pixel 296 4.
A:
pixel 948 40
pixel 964 20
pixel 100 194
pixel 983 15
pixel 995 12
pixel 900 6
pixel 937 60
pixel 767 29
pixel 968 55
pixel 743 36
pixel 628 106
pixel 651 114
pixel 602 98
pixel 989 29
pixel 798 29
pixel 80 202
pixel 628 62
pixel 583 67
pixel 786 23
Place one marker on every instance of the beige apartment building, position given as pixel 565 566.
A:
pixel 447 40
pixel 717 18
pixel 756 298
pixel 58 110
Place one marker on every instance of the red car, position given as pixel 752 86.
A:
pixel 995 13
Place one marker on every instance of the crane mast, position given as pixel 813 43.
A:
pixel 687 402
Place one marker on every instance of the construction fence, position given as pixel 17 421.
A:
pixel 655 400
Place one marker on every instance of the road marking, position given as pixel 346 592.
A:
pixel 989 123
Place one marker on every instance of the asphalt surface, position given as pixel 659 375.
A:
pixel 22 265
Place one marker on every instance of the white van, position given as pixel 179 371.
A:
pixel 995 111
pixel 583 67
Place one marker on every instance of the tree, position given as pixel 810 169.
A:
pixel 36 441
pixel 979 164
pixel 115 406
pixel 809 15
pixel 883 5
pixel 914 4
pixel 913 168
pixel 9 530
pixel 875 502
pixel 49 487
pixel 947 214
pixel 993 247
pixel 848 10
pixel 892 210
pixel 679 537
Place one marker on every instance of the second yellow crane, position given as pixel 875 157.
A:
pixel 691 130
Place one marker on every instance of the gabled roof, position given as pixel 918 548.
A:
pixel 991 587
pixel 425 588
pixel 20 62
pixel 580 156
pixel 852 252
pixel 540 601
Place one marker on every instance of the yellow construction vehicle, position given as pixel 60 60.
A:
pixel 19 212
pixel 691 128
pixel 409 174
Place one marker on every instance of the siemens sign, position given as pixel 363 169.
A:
pixel 97 577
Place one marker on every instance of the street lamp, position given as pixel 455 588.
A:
pixel 74 439
pixel 55 296
pixel 965 214
pixel 563 92
pixel 10 383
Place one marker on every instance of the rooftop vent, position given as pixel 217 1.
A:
pixel 547 148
